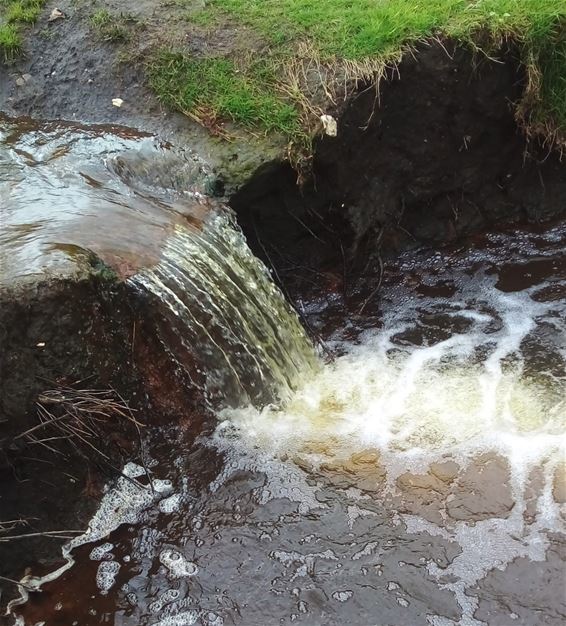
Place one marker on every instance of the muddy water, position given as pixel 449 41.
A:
pixel 77 200
pixel 418 478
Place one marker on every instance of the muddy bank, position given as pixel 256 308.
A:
pixel 434 155
pixel 86 333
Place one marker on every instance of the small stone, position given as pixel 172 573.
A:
pixel 56 14
pixel 329 125
pixel 26 77
pixel 20 82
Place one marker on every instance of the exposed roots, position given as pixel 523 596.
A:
pixel 320 86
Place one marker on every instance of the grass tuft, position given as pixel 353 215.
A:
pixel 211 90
pixel 13 15
pixel 10 41
pixel 111 28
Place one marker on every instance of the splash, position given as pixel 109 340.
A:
pixel 471 391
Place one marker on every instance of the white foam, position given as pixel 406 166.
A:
pixel 106 575
pixel 102 552
pixel 186 618
pixel 177 564
pixel 414 403
pixel 457 397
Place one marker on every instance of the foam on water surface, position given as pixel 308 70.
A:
pixel 401 475
pixel 465 394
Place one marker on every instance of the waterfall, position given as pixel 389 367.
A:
pixel 221 305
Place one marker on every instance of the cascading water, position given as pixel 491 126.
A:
pixel 417 479
pixel 221 304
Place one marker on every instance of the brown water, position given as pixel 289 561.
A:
pixel 418 478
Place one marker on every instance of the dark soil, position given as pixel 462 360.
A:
pixel 436 155
pixel 88 334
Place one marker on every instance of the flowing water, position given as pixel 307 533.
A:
pixel 416 478
pixel 73 198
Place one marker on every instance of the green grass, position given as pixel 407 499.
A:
pixel 10 41
pixel 212 90
pixel 112 28
pixel 361 28
pixel 363 32
pixel 13 15
pixel 551 58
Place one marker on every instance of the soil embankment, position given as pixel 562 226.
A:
pixel 436 154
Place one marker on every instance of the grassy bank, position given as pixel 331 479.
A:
pixel 15 14
pixel 311 50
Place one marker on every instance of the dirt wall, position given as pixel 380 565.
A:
pixel 432 155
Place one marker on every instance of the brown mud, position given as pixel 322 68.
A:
pixel 435 155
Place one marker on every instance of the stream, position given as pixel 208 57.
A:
pixel 413 474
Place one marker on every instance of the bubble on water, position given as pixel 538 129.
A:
pixel 343 596
pixel 212 619
pixel 106 575
pixel 155 607
pixel 368 550
pixel 170 595
pixel 133 470
pixel 177 564
pixel 102 552
pixel 186 618
pixel 170 504
pixel 132 598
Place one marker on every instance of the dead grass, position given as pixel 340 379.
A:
pixel 320 50
pixel 79 418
